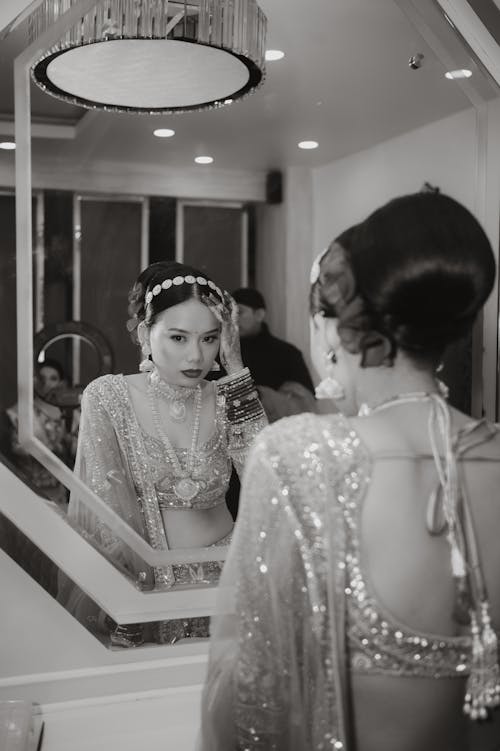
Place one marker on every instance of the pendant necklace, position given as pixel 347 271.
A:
pixel 185 487
pixel 176 396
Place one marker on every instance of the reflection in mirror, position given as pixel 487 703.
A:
pixel 158 445
pixel 111 192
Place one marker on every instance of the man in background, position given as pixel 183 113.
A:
pixel 277 367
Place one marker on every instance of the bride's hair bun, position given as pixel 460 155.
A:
pixel 422 268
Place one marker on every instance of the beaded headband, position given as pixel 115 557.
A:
pixel 176 281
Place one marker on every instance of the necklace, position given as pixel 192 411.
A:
pixel 176 396
pixel 410 397
pixel 185 488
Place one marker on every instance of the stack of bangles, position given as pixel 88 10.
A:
pixel 241 397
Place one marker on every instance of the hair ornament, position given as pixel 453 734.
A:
pixel 316 267
pixel 178 280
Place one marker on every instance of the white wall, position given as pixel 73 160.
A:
pixel 442 153
pixel 284 246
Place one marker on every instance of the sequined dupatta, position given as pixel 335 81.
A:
pixel 111 460
pixel 277 676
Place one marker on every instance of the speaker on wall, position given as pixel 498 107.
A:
pixel 274 187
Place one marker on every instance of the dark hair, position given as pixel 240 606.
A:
pixel 50 363
pixel 252 298
pixel 154 275
pixel 421 269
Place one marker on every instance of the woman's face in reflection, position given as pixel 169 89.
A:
pixel 184 342
pixel 47 379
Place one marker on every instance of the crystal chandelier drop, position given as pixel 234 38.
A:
pixel 153 56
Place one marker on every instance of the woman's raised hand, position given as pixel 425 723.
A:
pixel 226 311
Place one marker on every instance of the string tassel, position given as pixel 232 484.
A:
pixel 483 684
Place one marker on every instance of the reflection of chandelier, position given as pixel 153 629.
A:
pixel 153 56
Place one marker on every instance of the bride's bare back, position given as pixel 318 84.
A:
pixel 408 572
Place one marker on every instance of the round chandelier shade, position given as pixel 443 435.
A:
pixel 153 56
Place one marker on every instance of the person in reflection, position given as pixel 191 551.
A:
pixel 49 427
pixel 354 605
pixel 277 367
pixel 158 446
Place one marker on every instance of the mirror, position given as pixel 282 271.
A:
pixel 112 190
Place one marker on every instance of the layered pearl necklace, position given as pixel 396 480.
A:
pixel 184 486
pixel 176 396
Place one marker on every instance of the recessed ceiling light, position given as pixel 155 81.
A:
pixel 8 145
pixel 461 73
pixel 204 159
pixel 308 145
pixel 274 55
pixel 164 132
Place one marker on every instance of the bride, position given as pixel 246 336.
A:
pixel 366 547
pixel 158 445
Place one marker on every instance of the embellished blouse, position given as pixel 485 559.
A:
pixel 129 469
pixel 303 615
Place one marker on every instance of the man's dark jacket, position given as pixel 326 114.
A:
pixel 272 361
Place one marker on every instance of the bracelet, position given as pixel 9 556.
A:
pixel 228 380
pixel 235 388
pixel 246 412
pixel 240 397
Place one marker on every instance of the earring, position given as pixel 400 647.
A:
pixel 442 387
pixel 146 365
pixel 215 367
pixel 329 387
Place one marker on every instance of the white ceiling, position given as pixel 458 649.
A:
pixel 345 82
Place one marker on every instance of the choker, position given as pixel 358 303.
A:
pixel 177 396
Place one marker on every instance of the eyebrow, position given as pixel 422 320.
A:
pixel 183 331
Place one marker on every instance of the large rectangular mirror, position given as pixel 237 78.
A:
pixel 109 197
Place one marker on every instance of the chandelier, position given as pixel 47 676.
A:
pixel 153 56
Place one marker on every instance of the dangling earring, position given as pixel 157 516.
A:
pixel 442 387
pixel 215 367
pixel 146 365
pixel 329 387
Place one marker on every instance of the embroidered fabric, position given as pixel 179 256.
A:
pixel 124 466
pixel 212 470
pixel 378 643
pixel 276 681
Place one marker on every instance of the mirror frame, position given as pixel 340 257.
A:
pixel 123 612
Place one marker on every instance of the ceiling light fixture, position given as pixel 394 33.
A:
pixel 203 159
pixel 460 73
pixel 7 145
pixel 153 56
pixel 164 132
pixel 308 145
pixel 272 55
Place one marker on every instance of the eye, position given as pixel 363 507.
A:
pixel 211 338
pixel 177 338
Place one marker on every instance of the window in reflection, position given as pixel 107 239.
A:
pixel 89 250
